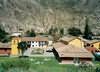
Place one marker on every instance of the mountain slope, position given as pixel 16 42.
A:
pixel 40 15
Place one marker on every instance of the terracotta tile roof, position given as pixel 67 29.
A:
pixel 58 45
pixel 91 49
pixel 27 39
pixel 5 45
pixel 34 39
pixel 72 51
pixel 40 39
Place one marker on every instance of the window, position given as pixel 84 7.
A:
pixel 32 45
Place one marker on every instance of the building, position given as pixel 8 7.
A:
pixel 70 54
pixel 5 49
pixel 91 49
pixel 80 42
pixel 14 45
pixel 34 42
pixel 76 41
pixel 96 44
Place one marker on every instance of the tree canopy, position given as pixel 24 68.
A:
pixel 74 31
pixel 30 33
pixel 3 35
pixel 22 46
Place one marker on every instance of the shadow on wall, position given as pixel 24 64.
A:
pixel 56 55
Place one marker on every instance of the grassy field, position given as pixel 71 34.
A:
pixel 37 64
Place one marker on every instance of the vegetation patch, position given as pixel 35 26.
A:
pixel 42 64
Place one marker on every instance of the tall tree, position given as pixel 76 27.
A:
pixel 87 33
pixel 22 46
pixel 61 32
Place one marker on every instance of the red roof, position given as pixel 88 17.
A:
pixel 91 49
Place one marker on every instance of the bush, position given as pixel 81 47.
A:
pixel 74 31
pixel 3 35
pixel 30 33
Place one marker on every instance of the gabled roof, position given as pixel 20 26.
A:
pixel 72 51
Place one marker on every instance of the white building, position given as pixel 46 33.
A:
pixel 36 42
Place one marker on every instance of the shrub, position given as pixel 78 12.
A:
pixel 3 35
pixel 30 33
pixel 74 31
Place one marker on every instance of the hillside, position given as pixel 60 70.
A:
pixel 40 15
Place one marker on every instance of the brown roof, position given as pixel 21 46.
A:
pixel 34 39
pixel 27 39
pixel 91 49
pixel 68 38
pixel 89 41
pixel 5 45
pixel 58 45
pixel 72 51
pixel 40 39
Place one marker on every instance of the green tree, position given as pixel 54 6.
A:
pixel 30 33
pixel 3 35
pixel 87 32
pixel 74 31
pixel 61 32
pixel 22 46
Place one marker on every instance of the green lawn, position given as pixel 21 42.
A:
pixel 36 64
